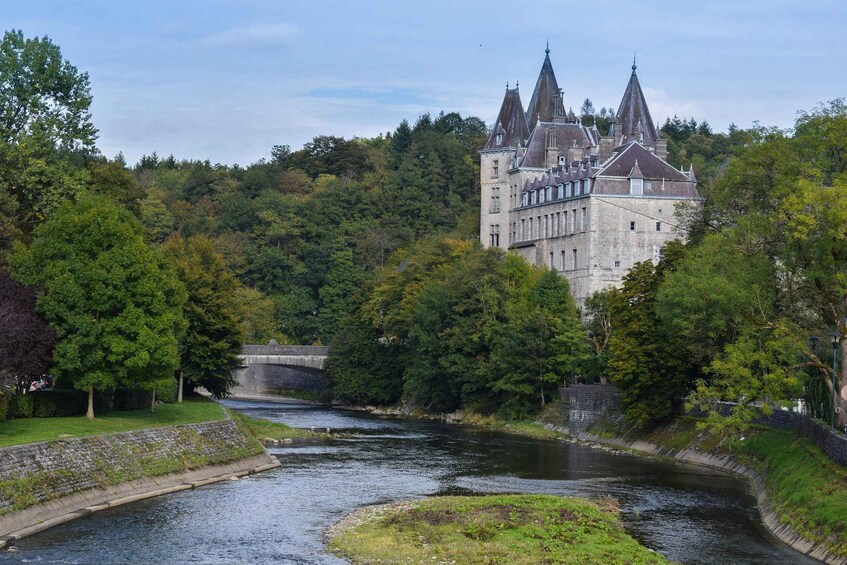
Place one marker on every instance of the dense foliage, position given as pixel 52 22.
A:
pixel 764 270
pixel 447 324
pixel 115 303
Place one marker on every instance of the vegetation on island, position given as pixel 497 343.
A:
pixel 519 529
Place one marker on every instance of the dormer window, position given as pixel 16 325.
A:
pixel 636 187
pixel 498 139
pixel 561 159
pixel 561 192
pixel 568 190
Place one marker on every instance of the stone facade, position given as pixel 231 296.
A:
pixel 565 197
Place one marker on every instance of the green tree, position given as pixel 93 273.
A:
pixel 650 367
pixel 43 94
pixel 213 339
pixel 115 304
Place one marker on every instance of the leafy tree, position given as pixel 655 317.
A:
pixel 43 94
pixel 115 304
pixel 26 340
pixel 258 315
pixel 213 339
pixel 650 366
pixel 112 179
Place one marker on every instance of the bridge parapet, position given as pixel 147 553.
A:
pixel 285 350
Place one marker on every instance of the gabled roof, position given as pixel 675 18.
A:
pixel 650 166
pixel 541 105
pixel 633 117
pixel 511 123
pixel 567 135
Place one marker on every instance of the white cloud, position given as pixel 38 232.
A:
pixel 255 34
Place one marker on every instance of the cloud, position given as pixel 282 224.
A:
pixel 247 36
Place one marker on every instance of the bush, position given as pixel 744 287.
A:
pixel 132 399
pixel 54 403
pixel 4 406
pixel 20 406
pixel 167 392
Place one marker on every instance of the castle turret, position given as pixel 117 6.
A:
pixel 510 132
pixel 542 105
pixel 633 121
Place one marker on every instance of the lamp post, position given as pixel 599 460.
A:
pixel 835 337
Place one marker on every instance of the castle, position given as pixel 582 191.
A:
pixel 564 196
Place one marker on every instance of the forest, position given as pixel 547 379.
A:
pixel 115 274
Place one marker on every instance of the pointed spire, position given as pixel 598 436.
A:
pixel 547 50
pixel 633 116
pixel 633 62
pixel 541 105
pixel 510 129
pixel 635 173
pixel 691 173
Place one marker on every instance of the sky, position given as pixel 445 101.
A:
pixel 226 80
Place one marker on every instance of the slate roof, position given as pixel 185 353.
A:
pixel 566 135
pixel 511 122
pixel 650 166
pixel 633 115
pixel 542 101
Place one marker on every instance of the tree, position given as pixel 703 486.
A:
pixel 43 94
pixel 649 366
pixel 587 108
pixel 26 340
pixel 213 338
pixel 114 303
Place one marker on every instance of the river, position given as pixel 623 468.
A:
pixel 690 514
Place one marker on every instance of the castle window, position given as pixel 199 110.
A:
pixel 658 226
pixel 584 220
pixel 496 236
pixel 551 260
pixel 573 220
pixel 561 192
pixel 558 223
pixel 495 169
pixel 617 263
pixel 531 229
pixel 632 226
pixel 523 230
pixel 564 228
pixel 573 266
pixel 549 193
pixel 561 160
pixel 498 139
pixel 586 186
pixel 568 190
pixel 648 185
pixel 636 186
pixel 563 260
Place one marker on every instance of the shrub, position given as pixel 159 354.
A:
pixel 167 392
pixel 132 399
pixel 53 403
pixel 4 406
pixel 20 406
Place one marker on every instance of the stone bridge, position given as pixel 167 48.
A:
pixel 283 370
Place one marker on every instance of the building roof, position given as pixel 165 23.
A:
pixel 511 123
pixel 636 161
pixel 542 105
pixel 633 121
pixel 566 135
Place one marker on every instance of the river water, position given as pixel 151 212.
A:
pixel 690 514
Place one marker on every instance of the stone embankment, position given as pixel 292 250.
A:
pixel 726 464
pixel 46 484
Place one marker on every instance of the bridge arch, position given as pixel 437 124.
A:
pixel 275 369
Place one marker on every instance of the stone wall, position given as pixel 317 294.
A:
pixel 262 378
pixel 35 473
pixel 589 403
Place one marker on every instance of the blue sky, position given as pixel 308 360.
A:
pixel 228 79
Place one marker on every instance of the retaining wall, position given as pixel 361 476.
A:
pixel 44 482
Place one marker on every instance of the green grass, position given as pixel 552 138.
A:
pixel 807 489
pixel 30 430
pixel 265 429
pixel 512 529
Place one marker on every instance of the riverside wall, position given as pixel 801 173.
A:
pixel 45 484
pixel 770 518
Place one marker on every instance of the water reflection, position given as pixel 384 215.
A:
pixel 689 514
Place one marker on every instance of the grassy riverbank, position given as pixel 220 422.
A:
pixel 267 430
pixel 515 529
pixel 30 430
pixel 806 489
